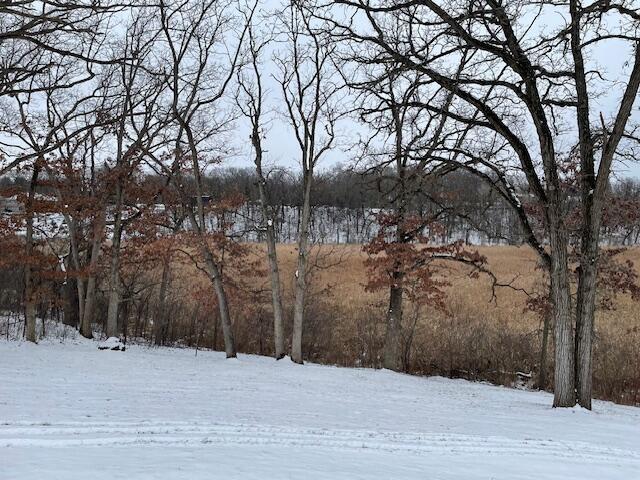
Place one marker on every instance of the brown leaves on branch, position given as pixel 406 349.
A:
pixel 402 255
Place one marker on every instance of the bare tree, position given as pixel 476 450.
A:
pixel 47 117
pixel 404 136
pixel 515 96
pixel 51 55
pixel 306 77
pixel 39 36
pixel 250 102
pixel 140 122
pixel 197 79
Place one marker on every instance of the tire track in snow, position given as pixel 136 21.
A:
pixel 74 434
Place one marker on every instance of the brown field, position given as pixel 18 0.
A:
pixel 478 338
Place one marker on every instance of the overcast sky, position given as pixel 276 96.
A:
pixel 282 149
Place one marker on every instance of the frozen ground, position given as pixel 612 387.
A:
pixel 72 412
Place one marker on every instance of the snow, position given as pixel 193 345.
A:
pixel 69 411
pixel 111 343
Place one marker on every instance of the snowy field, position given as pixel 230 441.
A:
pixel 73 412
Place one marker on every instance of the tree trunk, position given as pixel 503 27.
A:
pixel 71 314
pixel 393 337
pixel 564 377
pixel 542 375
pixel 29 282
pixel 82 297
pixel 89 308
pixel 586 307
pixel 301 273
pixel 114 268
pixel 112 309
pixel 274 273
pixel 161 314
pixel 584 333
pixel 90 300
pixel 223 304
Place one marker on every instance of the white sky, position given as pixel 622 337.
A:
pixel 282 149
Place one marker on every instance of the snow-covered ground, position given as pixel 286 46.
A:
pixel 69 411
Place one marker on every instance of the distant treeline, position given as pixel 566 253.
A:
pixel 346 201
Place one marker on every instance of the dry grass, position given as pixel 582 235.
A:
pixel 479 337
pixel 345 276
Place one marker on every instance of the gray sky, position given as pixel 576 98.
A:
pixel 282 150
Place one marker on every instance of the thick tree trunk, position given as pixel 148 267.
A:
pixel 584 333
pixel 564 376
pixel 301 274
pixel 114 268
pixel 586 307
pixel 76 280
pixel 392 358
pixel 89 308
pixel 71 314
pixel 112 309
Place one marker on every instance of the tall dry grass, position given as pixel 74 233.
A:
pixel 479 337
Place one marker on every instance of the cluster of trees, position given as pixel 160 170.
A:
pixel 112 108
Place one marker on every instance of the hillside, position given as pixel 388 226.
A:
pixel 69 411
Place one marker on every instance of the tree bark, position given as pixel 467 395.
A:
pixel 274 272
pixel 584 332
pixel 71 314
pixel 393 336
pixel 89 308
pixel 114 268
pixel 276 292
pixel 90 300
pixel 392 358
pixel 29 282
pixel 542 375
pixel 564 377
pixel 301 272
pixel 223 304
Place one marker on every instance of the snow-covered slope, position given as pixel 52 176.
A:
pixel 73 412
